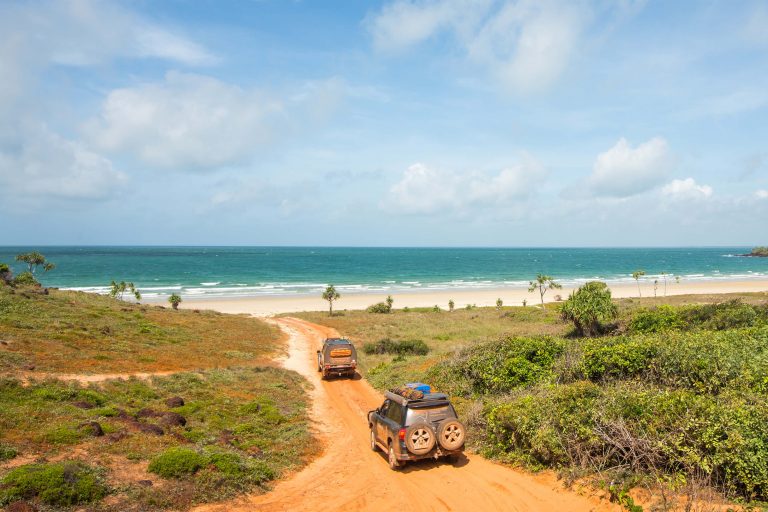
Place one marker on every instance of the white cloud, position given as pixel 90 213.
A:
pixel 623 171
pixel 191 121
pixel 36 163
pixel 525 44
pixel 41 164
pixel 37 35
pixel 424 190
pixel 761 194
pixel 528 44
pixel 686 189
pixel 186 120
pixel 404 23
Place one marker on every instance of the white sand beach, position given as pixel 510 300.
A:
pixel 265 306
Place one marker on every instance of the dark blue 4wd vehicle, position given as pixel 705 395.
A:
pixel 416 428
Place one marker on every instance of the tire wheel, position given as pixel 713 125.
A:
pixel 374 446
pixel 451 434
pixel 394 464
pixel 419 438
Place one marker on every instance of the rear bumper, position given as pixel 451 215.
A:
pixel 339 369
pixel 435 453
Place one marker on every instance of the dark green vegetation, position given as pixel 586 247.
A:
pixel 402 347
pixel 670 397
pixel 71 332
pixel 61 484
pixel 208 435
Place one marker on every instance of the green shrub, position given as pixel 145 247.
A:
pixel 643 428
pixel 59 485
pixel 25 279
pixel 658 319
pixel 503 365
pixel 7 452
pixel 604 358
pixel 402 347
pixel 379 307
pixel 177 462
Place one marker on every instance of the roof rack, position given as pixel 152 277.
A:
pixel 426 399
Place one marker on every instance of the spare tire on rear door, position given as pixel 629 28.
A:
pixel 419 438
pixel 451 434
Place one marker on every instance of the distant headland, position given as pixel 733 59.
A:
pixel 759 252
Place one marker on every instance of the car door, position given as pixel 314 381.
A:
pixel 394 419
pixel 380 423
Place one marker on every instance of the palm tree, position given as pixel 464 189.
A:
pixel 636 275
pixel 330 294
pixel 543 283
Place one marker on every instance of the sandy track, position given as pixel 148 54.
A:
pixel 349 476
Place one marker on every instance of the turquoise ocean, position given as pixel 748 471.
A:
pixel 216 272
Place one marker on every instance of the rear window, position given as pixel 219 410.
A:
pixel 430 414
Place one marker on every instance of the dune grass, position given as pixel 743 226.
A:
pixel 72 332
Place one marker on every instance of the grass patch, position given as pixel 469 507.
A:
pixel 74 332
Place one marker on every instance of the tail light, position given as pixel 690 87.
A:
pixel 401 434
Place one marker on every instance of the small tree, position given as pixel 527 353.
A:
pixel 636 275
pixel 389 302
pixel 543 283
pixel 34 260
pixel 175 300
pixel 451 305
pixel 117 290
pixel 525 302
pixel 499 304
pixel 330 294
pixel 655 286
pixel 588 307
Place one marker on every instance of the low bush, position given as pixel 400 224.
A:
pixel 717 317
pixel 25 279
pixel 401 347
pixel 499 366
pixel 177 462
pixel 379 307
pixel 7 452
pixel 658 319
pixel 639 427
pixel 59 485
pixel 609 358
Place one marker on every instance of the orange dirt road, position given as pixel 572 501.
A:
pixel 349 476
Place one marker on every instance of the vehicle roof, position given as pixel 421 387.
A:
pixel 337 341
pixel 429 400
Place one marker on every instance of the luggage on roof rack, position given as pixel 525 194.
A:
pixel 424 388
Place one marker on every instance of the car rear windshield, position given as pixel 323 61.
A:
pixel 429 414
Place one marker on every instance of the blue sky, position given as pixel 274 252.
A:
pixel 461 122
